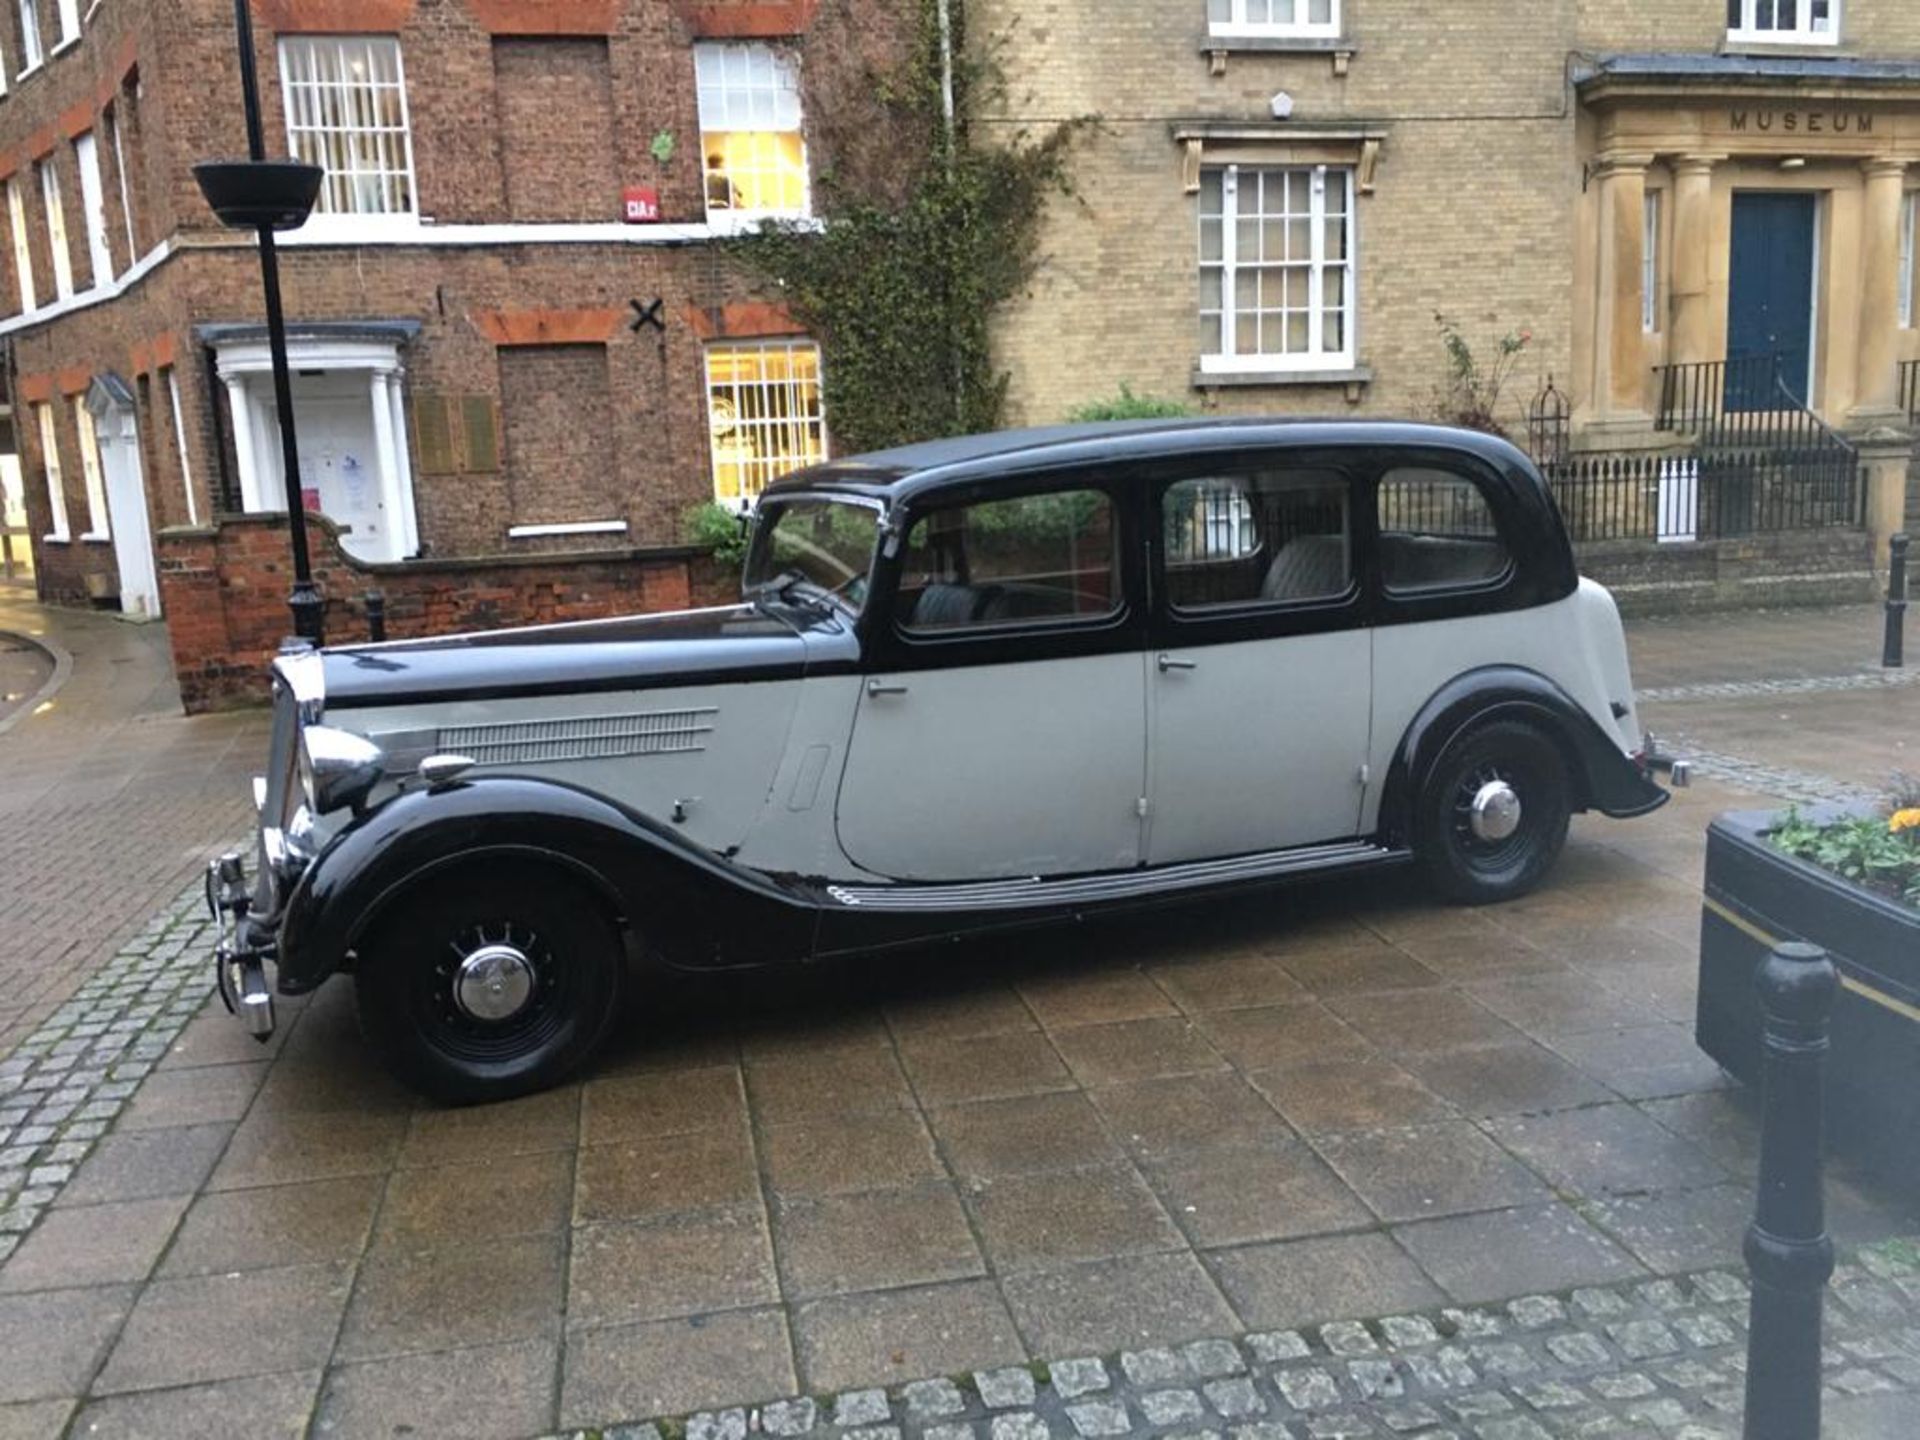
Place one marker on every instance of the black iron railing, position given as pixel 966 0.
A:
pixel 1707 495
pixel 1745 403
pixel 1910 390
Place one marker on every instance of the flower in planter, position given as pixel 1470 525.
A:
pixel 1903 820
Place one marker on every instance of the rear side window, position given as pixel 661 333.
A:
pixel 1267 536
pixel 1011 562
pixel 1437 532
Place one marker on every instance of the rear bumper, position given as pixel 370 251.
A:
pixel 1623 786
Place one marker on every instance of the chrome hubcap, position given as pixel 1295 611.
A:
pixel 1495 812
pixel 494 983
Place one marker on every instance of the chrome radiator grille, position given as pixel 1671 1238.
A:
pixel 588 737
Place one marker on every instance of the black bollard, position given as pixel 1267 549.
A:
pixel 1891 648
pixel 1787 1249
pixel 376 604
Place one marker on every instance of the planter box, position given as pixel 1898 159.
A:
pixel 1757 897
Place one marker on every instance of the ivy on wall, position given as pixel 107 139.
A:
pixel 900 278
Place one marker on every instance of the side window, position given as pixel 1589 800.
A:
pixel 1011 562
pixel 1437 532
pixel 1263 536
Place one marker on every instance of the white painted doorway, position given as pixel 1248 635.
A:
pixel 339 459
pixel 111 405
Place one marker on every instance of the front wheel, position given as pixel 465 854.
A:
pixel 1494 814
pixel 489 981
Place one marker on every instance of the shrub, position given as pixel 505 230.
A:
pixel 1128 406
pixel 719 529
pixel 1470 395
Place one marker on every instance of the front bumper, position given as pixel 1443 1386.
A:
pixel 240 958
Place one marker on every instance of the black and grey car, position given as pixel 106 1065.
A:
pixel 987 682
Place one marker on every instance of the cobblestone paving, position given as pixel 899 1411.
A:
pixel 1662 1358
pixel 1761 689
pixel 1798 787
pixel 63 1086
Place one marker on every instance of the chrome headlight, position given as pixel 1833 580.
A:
pixel 338 768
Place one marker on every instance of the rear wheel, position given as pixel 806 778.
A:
pixel 1494 813
pixel 490 981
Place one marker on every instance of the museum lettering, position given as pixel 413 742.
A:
pixel 1801 122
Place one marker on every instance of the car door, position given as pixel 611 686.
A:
pixel 1001 730
pixel 1259 666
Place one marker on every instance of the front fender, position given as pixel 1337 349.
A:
pixel 687 903
pixel 1604 778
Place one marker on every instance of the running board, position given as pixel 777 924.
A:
pixel 1033 892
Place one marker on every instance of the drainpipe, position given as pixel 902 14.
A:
pixel 944 9
pixel 946 74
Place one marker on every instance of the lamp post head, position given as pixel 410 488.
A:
pixel 260 194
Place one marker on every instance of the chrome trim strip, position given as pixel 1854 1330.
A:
pixel 306 677
pixel 1033 892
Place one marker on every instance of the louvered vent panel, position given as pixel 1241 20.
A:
pixel 590 737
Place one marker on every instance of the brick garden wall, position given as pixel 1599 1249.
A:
pixel 225 588
pixel 1816 567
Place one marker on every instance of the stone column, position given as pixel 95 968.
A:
pixel 1619 361
pixel 240 408
pixel 1886 454
pixel 1878 396
pixel 409 513
pixel 393 539
pixel 1691 340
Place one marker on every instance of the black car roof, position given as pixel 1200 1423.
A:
pixel 907 470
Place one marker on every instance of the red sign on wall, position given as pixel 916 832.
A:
pixel 642 205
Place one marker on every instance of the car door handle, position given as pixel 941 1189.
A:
pixel 1167 662
pixel 878 688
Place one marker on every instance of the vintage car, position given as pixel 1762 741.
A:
pixel 979 683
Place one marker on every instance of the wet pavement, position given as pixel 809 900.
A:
pixel 110 799
pixel 1232 1125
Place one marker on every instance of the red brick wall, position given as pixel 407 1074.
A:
pixel 167 71
pixel 225 588
pixel 556 128
pixel 557 416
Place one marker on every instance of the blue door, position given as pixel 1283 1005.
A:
pixel 1769 297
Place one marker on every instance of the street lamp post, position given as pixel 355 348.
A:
pixel 265 196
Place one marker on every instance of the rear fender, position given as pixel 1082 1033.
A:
pixel 1603 778
pixel 692 906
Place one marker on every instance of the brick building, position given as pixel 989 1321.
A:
pixel 1282 193
pixel 513 334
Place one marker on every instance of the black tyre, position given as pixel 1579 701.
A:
pixel 1493 816
pixel 489 981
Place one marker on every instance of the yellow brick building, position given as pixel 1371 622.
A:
pixel 1281 194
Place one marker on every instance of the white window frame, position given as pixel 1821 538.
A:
pixel 303 121
pixel 1909 233
pixel 50 464
pixel 32 51
pixel 786 70
pixel 22 245
pixel 1650 262
pixel 1237 23
pixel 93 199
pixel 180 439
pixel 69 23
pixel 1750 30
pixel 99 524
pixel 1226 360
pixel 56 217
pixel 116 116
pixel 792 345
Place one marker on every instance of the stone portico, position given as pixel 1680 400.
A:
pixel 1667 142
